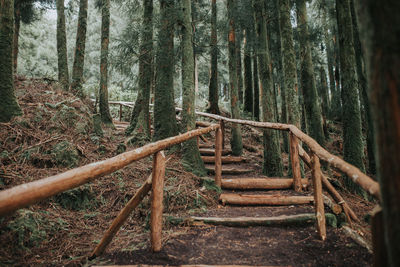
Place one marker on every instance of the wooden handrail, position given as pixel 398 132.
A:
pixel 25 194
pixel 366 182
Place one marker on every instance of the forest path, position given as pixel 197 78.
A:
pixel 195 243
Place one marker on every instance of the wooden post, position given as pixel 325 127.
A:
pixel 120 112
pixel 378 239
pixel 218 153
pixel 294 157
pixel 121 218
pixel 222 125
pixel 318 199
pixel 157 200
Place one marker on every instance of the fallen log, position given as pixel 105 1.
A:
pixel 203 124
pixel 298 219
pixel 211 152
pixel 260 183
pixel 226 159
pixel 335 208
pixel 226 170
pixel 242 199
pixel 357 238
pixel 207 145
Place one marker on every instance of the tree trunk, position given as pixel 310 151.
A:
pixel 140 118
pixel 289 64
pixel 105 39
pixel 336 106
pixel 79 59
pixel 63 75
pixel 352 136
pixel 191 154
pixel 363 86
pixel 324 92
pixel 272 154
pixel 329 52
pixel 213 86
pixel 256 99
pixel 17 25
pixel 164 111
pixel 8 102
pixel 248 76
pixel 307 78
pixel 236 139
pixel 238 49
pixel 383 63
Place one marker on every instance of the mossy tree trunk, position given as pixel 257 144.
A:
pixel 105 40
pixel 307 78
pixel 140 118
pixel 362 81
pixel 79 58
pixel 351 117
pixel 383 63
pixel 164 110
pixel 289 64
pixel 8 102
pixel 213 86
pixel 272 154
pixel 17 26
pixel 236 139
pixel 336 105
pixel 63 75
pixel 324 92
pixel 256 99
pixel 248 76
pixel 191 154
pixel 238 47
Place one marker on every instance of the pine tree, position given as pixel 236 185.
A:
pixel 352 136
pixel 164 111
pixel 213 86
pixel 140 119
pixel 63 75
pixel 79 58
pixel 191 154
pixel 272 153
pixel 8 102
pixel 307 78
pixel 236 140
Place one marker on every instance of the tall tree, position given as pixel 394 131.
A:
pixel 79 59
pixel 307 78
pixel 256 98
pixel 191 153
pixel 213 86
pixel 8 102
pixel 272 153
pixel 236 139
pixel 140 119
pixel 289 64
pixel 324 92
pixel 105 40
pixel 238 47
pixel 351 117
pixel 362 80
pixel 164 111
pixel 383 63
pixel 63 76
pixel 248 76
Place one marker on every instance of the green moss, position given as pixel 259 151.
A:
pixel 65 154
pixel 81 198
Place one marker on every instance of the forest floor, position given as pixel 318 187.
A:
pixel 66 228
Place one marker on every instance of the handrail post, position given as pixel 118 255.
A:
pixel 120 112
pixel 222 125
pixel 318 199
pixel 157 200
pixel 218 153
pixel 294 157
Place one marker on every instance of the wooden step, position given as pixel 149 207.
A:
pixel 227 170
pixel 211 151
pixel 225 159
pixel 194 265
pixel 260 183
pixel 208 145
pixel 278 200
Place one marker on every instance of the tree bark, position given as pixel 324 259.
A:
pixel 236 139
pixel 63 75
pixel 248 75
pixel 79 59
pixel 17 26
pixel 164 112
pixel 105 40
pixel 191 154
pixel 256 101
pixel 8 102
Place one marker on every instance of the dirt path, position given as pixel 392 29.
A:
pixel 281 246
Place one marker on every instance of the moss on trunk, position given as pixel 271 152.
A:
pixel 8 102
pixel 63 75
pixel 248 76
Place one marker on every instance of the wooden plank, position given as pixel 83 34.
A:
pixel 226 170
pixel 260 183
pixel 121 218
pixel 318 200
pixel 218 152
pixel 197 265
pixel 211 152
pixel 225 159
pixel 25 194
pixel 294 158
pixel 157 201
pixel 243 199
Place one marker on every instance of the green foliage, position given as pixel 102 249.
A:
pixel 81 198
pixel 65 154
